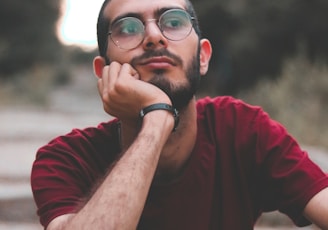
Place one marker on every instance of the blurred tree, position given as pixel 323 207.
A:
pixel 252 38
pixel 27 34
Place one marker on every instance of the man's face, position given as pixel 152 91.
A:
pixel 173 66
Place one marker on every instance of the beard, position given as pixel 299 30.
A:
pixel 180 95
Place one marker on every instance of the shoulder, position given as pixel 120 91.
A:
pixel 224 102
pixel 228 108
pixel 81 138
pixel 235 120
pixel 94 146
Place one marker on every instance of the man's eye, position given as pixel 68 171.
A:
pixel 129 29
pixel 172 23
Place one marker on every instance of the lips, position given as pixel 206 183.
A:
pixel 160 61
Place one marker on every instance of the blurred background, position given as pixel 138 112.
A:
pixel 268 53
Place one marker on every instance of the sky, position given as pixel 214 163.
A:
pixel 77 25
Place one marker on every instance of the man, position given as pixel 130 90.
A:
pixel 169 161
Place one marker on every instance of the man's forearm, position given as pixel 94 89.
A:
pixel 317 209
pixel 120 199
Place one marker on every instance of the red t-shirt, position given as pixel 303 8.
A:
pixel 243 164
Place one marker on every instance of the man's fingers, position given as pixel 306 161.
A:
pixel 128 71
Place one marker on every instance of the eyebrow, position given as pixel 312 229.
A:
pixel 157 14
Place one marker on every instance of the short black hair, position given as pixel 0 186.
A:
pixel 103 26
pixel 102 30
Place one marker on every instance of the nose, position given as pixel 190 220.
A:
pixel 153 36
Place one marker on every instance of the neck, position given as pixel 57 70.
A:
pixel 178 148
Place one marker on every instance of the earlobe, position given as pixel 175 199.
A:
pixel 98 65
pixel 205 55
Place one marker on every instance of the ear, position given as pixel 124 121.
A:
pixel 98 65
pixel 205 55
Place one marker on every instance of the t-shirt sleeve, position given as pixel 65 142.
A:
pixel 55 181
pixel 66 170
pixel 290 179
pixel 268 162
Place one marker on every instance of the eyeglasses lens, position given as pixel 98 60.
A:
pixel 128 33
pixel 175 25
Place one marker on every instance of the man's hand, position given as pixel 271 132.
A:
pixel 124 94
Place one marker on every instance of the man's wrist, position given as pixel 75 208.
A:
pixel 162 106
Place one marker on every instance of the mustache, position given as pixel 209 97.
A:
pixel 156 53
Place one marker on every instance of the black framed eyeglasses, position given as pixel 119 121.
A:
pixel 129 32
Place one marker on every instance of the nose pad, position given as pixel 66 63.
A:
pixel 153 35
